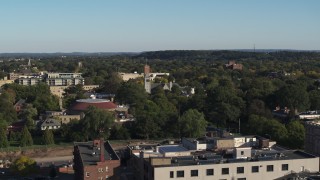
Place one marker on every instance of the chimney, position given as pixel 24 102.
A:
pixel 101 150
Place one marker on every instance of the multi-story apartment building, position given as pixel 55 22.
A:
pixel 64 79
pixel 95 160
pixel 241 163
pixel 29 79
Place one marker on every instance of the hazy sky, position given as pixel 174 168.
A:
pixel 143 25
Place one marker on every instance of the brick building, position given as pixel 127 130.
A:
pixel 312 137
pixel 95 160
pixel 234 66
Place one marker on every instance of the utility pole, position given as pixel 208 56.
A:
pixel 239 125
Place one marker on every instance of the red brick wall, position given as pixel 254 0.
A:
pixel 94 169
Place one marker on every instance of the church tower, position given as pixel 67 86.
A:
pixel 147 79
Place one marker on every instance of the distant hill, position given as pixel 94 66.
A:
pixel 261 54
pixel 57 54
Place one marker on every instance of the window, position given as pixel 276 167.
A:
pixel 194 173
pixel 171 174
pixel 241 179
pixel 225 171
pixel 87 174
pixel 100 170
pixel 240 170
pixel 180 173
pixel 285 167
pixel 107 168
pixel 242 152
pixel 255 169
pixel 269 168
pixel 210 172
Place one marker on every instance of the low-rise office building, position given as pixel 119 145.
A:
pixel 241 163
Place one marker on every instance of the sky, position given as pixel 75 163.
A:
pixel 151 25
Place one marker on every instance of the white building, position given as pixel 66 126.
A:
pixel 243 163
pixel 64 79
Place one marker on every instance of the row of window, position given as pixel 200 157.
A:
pixel 225 171
pixel 100 170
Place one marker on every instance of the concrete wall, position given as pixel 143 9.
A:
pixel 224 143
pixel 65 119
pixel 128 76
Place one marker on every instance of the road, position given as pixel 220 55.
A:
pixel 46 161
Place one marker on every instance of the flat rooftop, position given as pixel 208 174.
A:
pixel 91 155
pixel 172 148
pixel 206 157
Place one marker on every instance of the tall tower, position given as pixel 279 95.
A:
pixel 147 79
pixel 147 69
pixel 29 63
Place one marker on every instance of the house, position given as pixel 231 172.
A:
pixel 310 115
pixel 5 80
pixel 16 126
pixel 281 113
pixel 233 65
pixel 128 76
pixel 50 123
pixel 19 105
pixel 95 160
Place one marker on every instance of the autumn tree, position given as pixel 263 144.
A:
pixel 24 166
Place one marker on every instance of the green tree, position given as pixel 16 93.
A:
pixel 314 97
pixel 97 123
pixel 26 138
pixel 131 93
pixel 258 107
pixel 48 137
pixel 45 102
pixel 3 138
pixel 224 106
pixel 119 132
pixel 295 97
pixel 192 124
pixel 24 166
pixel 263 126
pixel 296 134
pixel 7 112
pixel 146 125
pixel 29 113
pixel 112 83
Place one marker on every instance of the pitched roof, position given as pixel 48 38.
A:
pixel 50 122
